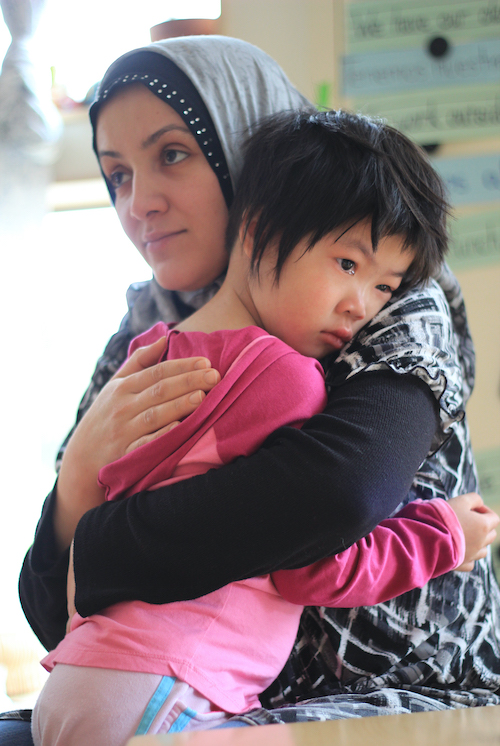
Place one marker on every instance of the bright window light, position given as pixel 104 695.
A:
pixel 79 41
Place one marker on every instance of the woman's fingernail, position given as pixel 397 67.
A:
pixel 200 364
pixel 210 376
pixel 196 397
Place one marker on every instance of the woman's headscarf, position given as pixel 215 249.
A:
pixel 223 87
pixel 219 86
pixel 231 85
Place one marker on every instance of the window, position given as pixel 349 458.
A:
pixel 79 41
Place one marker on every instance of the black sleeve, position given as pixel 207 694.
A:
pixel 42 584
pixel 304 495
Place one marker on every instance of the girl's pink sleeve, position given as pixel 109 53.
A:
pixel 148 337
pixel 283 389
pixel 422 541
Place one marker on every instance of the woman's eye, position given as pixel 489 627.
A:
pixel 347 265
pixel 171 156
pixel 118 178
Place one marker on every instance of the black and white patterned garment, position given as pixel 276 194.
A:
pixel 430 649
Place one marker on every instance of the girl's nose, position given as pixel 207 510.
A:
pixel 353 303
pixel 147 198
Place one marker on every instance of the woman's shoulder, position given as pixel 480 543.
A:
pixel 415 333
pixel 409 329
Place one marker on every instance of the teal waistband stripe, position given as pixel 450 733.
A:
pixel 182 721
pixel 154 705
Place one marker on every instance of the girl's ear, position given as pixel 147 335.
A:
pixel 246 236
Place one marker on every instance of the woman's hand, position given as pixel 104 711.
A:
pixel 70 590
pixel 478 524
pixel 141 401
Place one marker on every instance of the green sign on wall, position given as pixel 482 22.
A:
pixel 475 240
pixel 400 24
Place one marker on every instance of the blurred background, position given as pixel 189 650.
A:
pixel 431 69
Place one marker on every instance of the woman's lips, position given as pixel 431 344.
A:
pixel 157 241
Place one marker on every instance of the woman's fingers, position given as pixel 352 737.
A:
pixel 165 386
pixel 164 382
pixel 142 358
pixel 174 378
pixel 145 360
pixel 152 436
pixel 143 400
pixel 70 590
pixel 158 413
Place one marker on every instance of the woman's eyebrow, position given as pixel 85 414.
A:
pixel 109 153
pixel 152 139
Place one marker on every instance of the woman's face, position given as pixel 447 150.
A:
pixel 168 198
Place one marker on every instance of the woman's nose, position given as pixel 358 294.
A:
pixel 147 198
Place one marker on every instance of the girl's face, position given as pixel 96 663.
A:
pixel 327 294
pixel 168 199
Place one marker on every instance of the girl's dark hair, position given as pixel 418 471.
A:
pixel 306 175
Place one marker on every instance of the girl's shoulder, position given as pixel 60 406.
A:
pixel 237 349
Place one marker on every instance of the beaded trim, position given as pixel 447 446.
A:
pixel 167 93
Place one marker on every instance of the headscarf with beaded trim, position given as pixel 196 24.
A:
pixel 221 87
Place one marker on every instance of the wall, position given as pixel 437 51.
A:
pixel 299 34
pixel 309 38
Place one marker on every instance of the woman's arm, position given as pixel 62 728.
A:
pixel 42 583
pixel 306 494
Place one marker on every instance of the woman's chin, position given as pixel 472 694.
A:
pixel 176 273
pixel 181 284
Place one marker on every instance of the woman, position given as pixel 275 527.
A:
pixel 396 392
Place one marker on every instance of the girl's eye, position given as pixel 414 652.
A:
pixel 347 265
pixel 118 178
pixel 385 289
pixel 171 156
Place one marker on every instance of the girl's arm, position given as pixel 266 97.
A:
pixel 424 540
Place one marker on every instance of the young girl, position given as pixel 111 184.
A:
pixel 333 213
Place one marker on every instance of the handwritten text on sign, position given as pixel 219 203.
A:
pixel 413 69
pixel 401 24
pixel 439 115
pixel 471 180
pixel 475 240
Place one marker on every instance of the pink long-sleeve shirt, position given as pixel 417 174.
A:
pixel 232 643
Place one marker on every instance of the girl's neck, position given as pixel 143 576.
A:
pixel 231 307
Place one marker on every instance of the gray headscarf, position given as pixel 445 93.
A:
pixel 238 84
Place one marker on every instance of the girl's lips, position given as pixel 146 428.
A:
pixel 337 339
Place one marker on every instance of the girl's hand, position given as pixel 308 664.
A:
pixel 142 400
pixel 478 523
